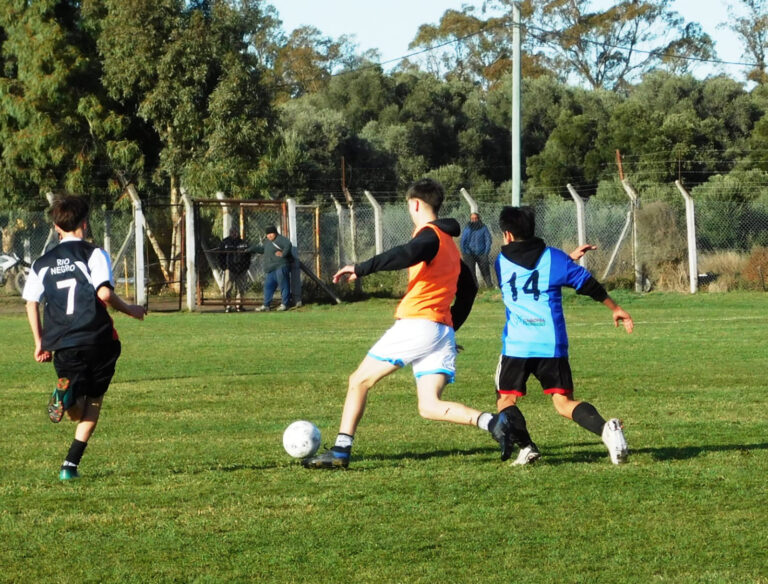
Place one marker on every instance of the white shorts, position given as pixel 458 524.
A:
pixel 429 346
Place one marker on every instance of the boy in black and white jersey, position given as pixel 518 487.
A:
pixel 77 333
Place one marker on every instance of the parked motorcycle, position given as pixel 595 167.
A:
pixel 13 269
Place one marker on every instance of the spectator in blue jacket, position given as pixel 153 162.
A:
pixel 475 247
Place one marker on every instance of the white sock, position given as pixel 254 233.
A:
pixel 344 440
pixel 483 420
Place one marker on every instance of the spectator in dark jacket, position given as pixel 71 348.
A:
pixel 475 247
pixel 277 260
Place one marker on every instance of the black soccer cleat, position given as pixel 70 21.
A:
pixel 329 459
pixel 502 431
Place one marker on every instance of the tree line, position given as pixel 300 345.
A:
pixel 212 95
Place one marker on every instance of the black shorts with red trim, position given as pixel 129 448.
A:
pixel 554 374
pixel 89 368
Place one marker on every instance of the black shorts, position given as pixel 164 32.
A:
pixel 89 369
pixel 554 374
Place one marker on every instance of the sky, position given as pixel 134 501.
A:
pixel 391 25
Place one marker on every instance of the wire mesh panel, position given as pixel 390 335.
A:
pixel 29 234
pixel 330 237
pixel 308 237
pixel 164 255
pixel 114 231
pixel 215 221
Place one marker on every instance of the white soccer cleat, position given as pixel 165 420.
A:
pixel 527 455
pixel 613 438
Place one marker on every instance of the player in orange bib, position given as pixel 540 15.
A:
pixel 438 300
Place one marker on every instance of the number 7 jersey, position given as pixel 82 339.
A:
pixel 67 278
pixel 535 325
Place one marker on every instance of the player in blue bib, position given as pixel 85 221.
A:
pixel 531 276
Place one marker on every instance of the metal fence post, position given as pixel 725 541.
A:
pixel 51 232
pixel 340 238
pixel 617 247
pixel 107 231
pixel 292 225
pixel 470 201
pixel 140 292
pixel 581 223
pixel 226 218
pixel 634 199
pixel 189 225
pixel 295 266
pixel 377 226
pixel 690 223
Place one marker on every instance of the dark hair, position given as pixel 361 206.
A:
pixel 68 212
pixel 270 229
pixel 519 221
pixel 427 190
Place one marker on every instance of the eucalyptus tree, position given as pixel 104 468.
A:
pixel 58 128
pixel 190 72
pixel 674 127
pixel 751 28
pixel 610 46
pixel 305 61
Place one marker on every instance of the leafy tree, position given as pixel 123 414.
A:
pixel 362 95
pixel 575 151
pixel 58 129
pixel 674 127
pixel 190 74
pixel 609 48
pixel 306 61
pixel 752 30
pixel 478 48
pixel 474 49
pixel 192 78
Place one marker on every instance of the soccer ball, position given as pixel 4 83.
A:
pixel 301 439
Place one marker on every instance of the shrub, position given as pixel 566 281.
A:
pixel 756 268
pixel 726 267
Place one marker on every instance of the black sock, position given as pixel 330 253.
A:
pixel 519 427
pixel 75 453
pixel 586 416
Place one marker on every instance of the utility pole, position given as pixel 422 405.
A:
pixel 516 81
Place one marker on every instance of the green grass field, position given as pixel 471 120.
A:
pixel 186 480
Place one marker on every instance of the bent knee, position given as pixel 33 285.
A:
pixel 357 381
pixel 564 404
pixel 432 410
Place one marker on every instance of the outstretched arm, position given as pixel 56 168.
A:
pixel 348 271
pixel 619 315
pixel 581 251
pixel 422 248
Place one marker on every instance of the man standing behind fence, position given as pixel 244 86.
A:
pixel 277 258
pixel 234 261
pixel 475 247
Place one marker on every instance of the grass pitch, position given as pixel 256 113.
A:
pixel 186 480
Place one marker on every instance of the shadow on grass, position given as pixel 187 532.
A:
pixel 686 452
pixel 427 455
pixel 660 454
pixel 594 452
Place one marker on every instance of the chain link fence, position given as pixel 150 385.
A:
pixel 29 234
pixel 731 237
pixel 731 240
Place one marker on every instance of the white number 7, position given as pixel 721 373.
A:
pixel 69 283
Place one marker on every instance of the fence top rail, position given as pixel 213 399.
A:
pixel 240 202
